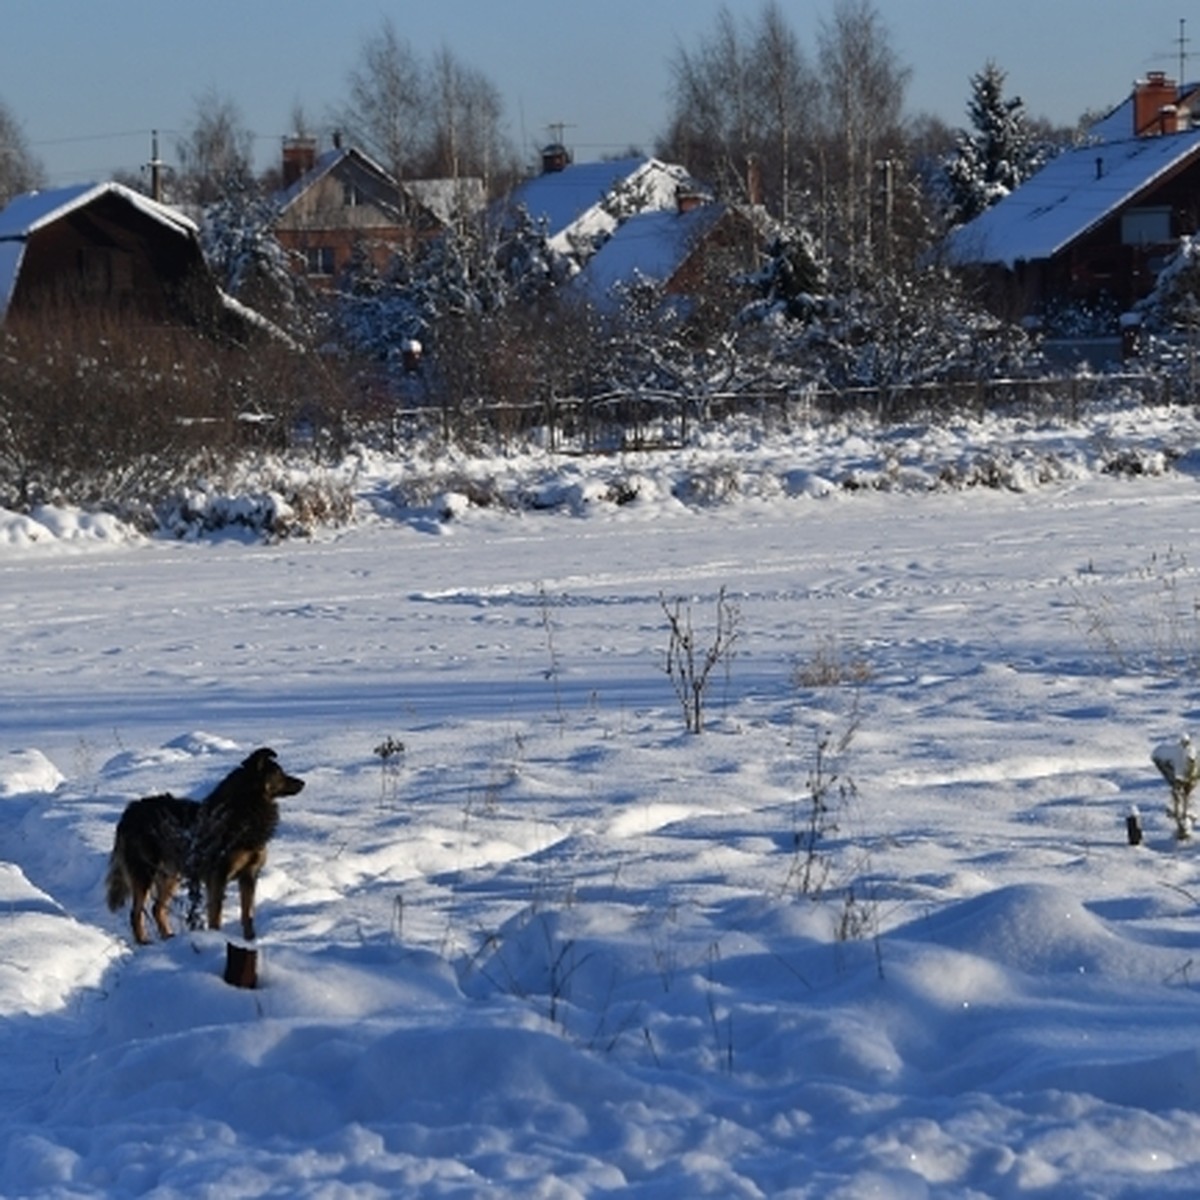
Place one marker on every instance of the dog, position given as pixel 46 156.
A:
pixel 162 840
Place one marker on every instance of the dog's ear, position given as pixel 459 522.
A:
pixel 262 758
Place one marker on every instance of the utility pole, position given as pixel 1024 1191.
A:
pixel 887 171
pixel 156 166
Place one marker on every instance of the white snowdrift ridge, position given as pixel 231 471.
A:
pixel 524 937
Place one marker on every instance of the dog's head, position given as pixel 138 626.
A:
pixel 269 775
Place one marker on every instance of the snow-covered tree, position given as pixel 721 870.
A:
pixel 995 155
pixel 249 263
pixel 791 282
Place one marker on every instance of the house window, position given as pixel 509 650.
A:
pixel 352 196
pixel 1146 226
pixel 318 260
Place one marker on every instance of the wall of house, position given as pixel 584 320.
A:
pixel 350 212
pixel 109 256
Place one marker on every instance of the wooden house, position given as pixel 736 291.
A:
pixel 1097 223
pixel 105 247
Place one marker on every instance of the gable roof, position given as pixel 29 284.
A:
pixel 444 199
pixel 26 214
pixel 648 247
pixel 570 201
pixel 322 166
pixel 1068 197
pixel 29 212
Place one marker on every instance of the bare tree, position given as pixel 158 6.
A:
pixel 788 89
pixel 216 152
pixel 440 119
pixel 386 112
pixel 465 115
pixel 739 104
pixel 19 169
pixel 712 124
pixel 864 85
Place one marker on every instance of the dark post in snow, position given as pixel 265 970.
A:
pixel 1133 826
pixel 241 965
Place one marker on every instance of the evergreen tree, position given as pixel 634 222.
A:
pixel 996 155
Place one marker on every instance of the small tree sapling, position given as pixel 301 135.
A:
pixel 688 664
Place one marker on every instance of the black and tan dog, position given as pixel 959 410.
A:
pixel 162 840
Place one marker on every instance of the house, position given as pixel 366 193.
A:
pixel 672 250
pixel 342 204
pixel 106 247
pixel 581 204
pixel 1097 223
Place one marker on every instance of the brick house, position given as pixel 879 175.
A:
pixel 341 203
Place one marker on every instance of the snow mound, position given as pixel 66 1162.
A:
pixel 1039 929
pixel 50 525
pixel 45 955
pixel 25 771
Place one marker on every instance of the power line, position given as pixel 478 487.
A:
pixel 95 137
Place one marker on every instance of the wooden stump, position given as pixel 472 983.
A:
pixel 241 966
pixel 1133 828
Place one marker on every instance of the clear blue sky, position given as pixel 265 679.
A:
pixel 88 79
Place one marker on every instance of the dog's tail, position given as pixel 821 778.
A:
pixel 116 884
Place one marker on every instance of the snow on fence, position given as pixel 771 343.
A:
pixel 644 420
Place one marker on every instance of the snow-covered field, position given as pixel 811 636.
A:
pixel 557 947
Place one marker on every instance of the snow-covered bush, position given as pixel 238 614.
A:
pixel 1176 762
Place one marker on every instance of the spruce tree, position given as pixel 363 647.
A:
pixel 995 156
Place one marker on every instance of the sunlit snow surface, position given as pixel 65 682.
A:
pixel 557 947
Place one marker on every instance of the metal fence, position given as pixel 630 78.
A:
pixel 644 420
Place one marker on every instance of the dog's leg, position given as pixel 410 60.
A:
pixel 247 880
pixel 137 913
pixel 164 890
pixel 214 885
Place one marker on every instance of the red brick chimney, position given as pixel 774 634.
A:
pixel 299 156
pixel 555 157
pixel 1154 110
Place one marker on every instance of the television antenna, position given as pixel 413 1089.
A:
pixel 1182 41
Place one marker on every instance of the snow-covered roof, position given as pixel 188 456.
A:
pixel 569 201
pixel 11 253
pixel 1070 195
pixel 24 215
pixel 29 212
pixel 1118 124
pixel 448 199
pixel 1114 126
pixel 650 246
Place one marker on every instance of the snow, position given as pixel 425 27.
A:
pixel 521 935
